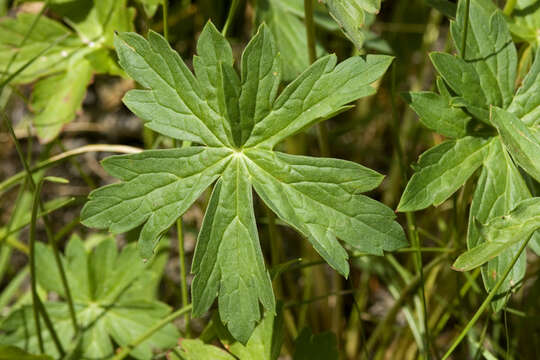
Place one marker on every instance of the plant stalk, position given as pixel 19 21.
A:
pixel 148 333
pixel 37 305
pixel 509 7
pixel 487 301
pixel 36 189
pixel 230 17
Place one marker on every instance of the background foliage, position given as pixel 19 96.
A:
pixel 468 103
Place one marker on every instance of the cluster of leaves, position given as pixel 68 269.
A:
pixel 66 58
pixel 240 120
pixel 115 300
pixel 489 125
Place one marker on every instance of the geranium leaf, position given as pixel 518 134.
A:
pixel 228 259
pixel 238 119
pixel 441 171
pixel 160 186
pixel 319 92
pixel 484 82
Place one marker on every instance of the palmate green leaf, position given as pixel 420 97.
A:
pixel 240 119
pixel 114 301
pixel 484 84
pixel 350 15
pixel 503 232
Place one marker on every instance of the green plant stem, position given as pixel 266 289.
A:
pixel 165 6
pixel 183 273
pixel 37 305
pixel 17 178
pixel 148 333
pixel 487 301
pixel 33 285
pixel 310 30
pixel 230 16
pixel 48 231
pixel 509 7
pixel 465 29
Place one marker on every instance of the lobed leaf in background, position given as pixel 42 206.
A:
pixel 65 70
pixel 469 111
pixel 238 121
pixel 115 300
